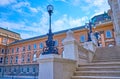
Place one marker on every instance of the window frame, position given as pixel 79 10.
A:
pixel 108 34
pixel 82 38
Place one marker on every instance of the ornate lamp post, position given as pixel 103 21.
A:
pixel 50 44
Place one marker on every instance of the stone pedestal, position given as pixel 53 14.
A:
pixel 70 46
pixel 53 67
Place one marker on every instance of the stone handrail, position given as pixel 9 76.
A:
pixel 73 49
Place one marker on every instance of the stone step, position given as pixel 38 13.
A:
pixel 100 64
pixel 101 68
pixel 105 60
pixel 97 73
pixel 94 77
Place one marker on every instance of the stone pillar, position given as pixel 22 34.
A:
pixel 51 66
pixel 115 7
pixel 70 46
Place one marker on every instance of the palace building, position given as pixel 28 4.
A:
pixel 18 56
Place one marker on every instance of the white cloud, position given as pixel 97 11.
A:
pixel 67 22
pixel 20 5
pixel 6 2
pixel 99 5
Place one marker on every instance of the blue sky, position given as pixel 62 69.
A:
pixel 30 17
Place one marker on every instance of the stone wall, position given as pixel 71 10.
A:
pixel 115 13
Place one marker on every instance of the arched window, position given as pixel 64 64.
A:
pixel 108 34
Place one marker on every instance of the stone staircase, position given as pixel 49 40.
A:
pixel 108 68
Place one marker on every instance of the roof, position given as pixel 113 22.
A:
pixel 9 30
pixel 101 18
pixel 41 36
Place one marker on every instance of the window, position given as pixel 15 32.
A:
pixel 22 69
pixel 7 50
pixel 1 60
pixel 56 42
pixel 27 69
pixel 12 50
pixel 23 49
pixel 11 59
pixel 4 41
pixel 34 57
pixel 28 58
pixel 82 38
pixel 35 46
pixel 34 69
pixel 22 58
pixel 6 60
pixel 29 47
pixel 16 60
pixel 9 69
pixel 17 49
pixel 108 34
pixel 41 45
pixel 14 69
pixel 3 50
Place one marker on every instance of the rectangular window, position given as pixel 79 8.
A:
pixel 28 58
pixel 4 41
pixel 35 46
pixel 27 69
pixel 7 50
pixel 14 69
pixel 3 50
pixel 41 45
pixel 56 42
pixel 17 49
pixel 11 59
pixel 23 49
pixel 9 69
pixel 108 34
pixel 6 60
pixel 16 60
pixel 22 69
pixel 22 58
pixel 34 69
pixel 82 38
pixel 12 50
pixel 1 60
pixel 29 47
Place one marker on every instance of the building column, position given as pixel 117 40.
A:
pixel 102 38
